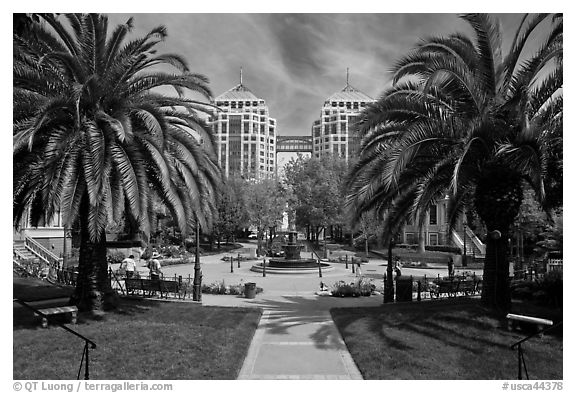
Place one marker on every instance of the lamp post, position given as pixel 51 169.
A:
pixel 197 286
pixel 464 261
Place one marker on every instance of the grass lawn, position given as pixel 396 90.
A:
pixel 451 339
pixel 142 339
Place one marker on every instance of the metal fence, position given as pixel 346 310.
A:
pixel 409 288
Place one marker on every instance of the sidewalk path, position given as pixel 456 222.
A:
pixel 296 337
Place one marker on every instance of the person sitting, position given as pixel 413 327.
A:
pixel 397 269
pixel 155 267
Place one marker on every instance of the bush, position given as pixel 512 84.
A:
pixel 115 257
pixel 360 287
pixel 220 288
pixel 547 290
pixel 444 248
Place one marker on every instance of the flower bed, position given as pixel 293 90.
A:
pixel 360 287
pixel 220 288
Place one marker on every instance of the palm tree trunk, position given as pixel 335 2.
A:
pixel 495 284
pixel 93 291
pixel 421 241
pixel 389 290
pixel 497 200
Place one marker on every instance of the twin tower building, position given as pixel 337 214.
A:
pixel 247 138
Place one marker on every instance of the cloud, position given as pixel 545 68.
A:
pixel 296 61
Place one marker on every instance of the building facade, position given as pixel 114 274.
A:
pixel 334 132
pixel 245 134
pixel 435 229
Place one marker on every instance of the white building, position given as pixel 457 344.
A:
pixel 334 133
pixel 245 133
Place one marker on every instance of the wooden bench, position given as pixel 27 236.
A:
pixel 147 287
pixel 73 310
pixel 516 321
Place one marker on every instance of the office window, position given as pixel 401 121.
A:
pixel 411 238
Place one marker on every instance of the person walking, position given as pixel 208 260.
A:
pixel 130 266
pixel 358 270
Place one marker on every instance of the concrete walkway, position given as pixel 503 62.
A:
pixel 296 337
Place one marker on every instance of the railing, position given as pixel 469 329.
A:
pixel 87 342
pixel 518 344
pixel 481 247
pixel 18 254
pixel 471 247
pixel 41 252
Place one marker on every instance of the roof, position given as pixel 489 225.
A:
pixel 237 93
pixel 349 93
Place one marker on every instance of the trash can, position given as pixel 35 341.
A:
pixel 250 290
pixel 403 289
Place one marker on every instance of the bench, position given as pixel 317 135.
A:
pixel 147 287
pixel 452 288
pixel 516 321
pixel 73 310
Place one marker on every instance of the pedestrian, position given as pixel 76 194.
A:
pixel 155 267
pixel 130 266
pixel 358 270
pixel 397 268
pixel 451 267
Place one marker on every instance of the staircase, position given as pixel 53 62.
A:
pixel 474 245
pixel 30 256
pixel 21 252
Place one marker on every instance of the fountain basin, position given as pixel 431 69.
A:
pixel 282 266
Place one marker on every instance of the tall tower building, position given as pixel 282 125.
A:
pixel 245 133
pixel 334 132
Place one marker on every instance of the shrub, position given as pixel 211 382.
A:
pixel 115 257
pixel 220 288
pixel 547 290
pixel 361 287
pixel 444 248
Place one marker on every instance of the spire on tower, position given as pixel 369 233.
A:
pixel 347 75
pixel 240 75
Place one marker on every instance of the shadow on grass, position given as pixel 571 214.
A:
pixel 143 339
pixel 449 339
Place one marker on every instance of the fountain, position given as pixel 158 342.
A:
pixel 292 261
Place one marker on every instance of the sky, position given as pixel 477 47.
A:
pixel 296 61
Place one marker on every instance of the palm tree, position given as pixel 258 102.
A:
pixel 95 138
pixel 463 121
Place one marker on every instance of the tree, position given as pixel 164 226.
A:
pixel 265 203
pixel 371 228
pixel 318 187
pixel 461 120
pixel 231 206
pixel 94 137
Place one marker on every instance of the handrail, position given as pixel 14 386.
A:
pixel 18 254
pixel 86 340
pixel 477 242
pixel 518 344
pixel 41 251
